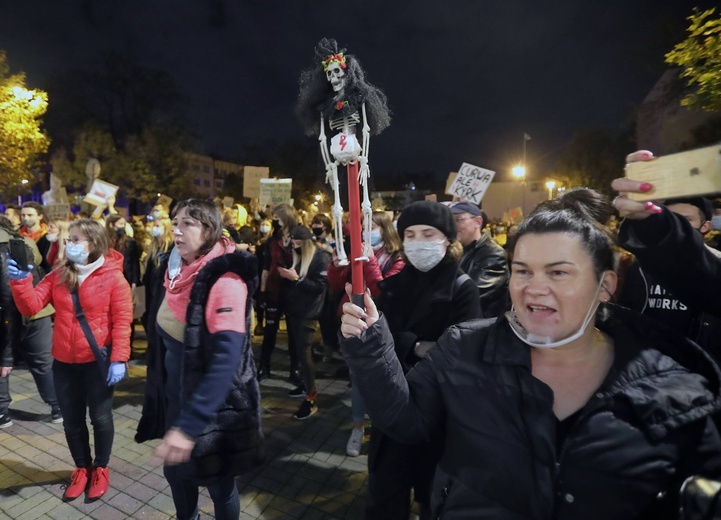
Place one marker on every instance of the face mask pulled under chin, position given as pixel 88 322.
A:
pixel 535 340
pixel 716 223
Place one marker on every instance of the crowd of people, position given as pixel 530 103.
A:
pixel 569 372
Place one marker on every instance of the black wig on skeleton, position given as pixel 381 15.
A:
pixel 316 94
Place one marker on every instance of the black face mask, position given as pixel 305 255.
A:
pixel 276 225
pixel 317 231
pixel 297 250
pixel 120 232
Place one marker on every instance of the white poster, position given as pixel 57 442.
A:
pixel 251 180
pixel 100 192
pixel 471 183
pixel 275 191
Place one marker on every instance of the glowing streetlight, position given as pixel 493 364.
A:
pixel 550 185
pixel 319 197
pixel 519 172
pixel 24 181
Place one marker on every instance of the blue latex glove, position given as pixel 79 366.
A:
pixel 16 274
pixel 116 372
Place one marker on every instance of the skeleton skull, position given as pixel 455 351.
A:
pixel 336 76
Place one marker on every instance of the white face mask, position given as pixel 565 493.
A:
pixel 76 253
pixel 52 237
pixel 175 263
pixel 716 222
pixel 423 255
pixel 157 231
pixel 534 340
pixel 265 229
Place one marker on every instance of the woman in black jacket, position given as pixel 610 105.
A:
pixel 430 294
pixel 550 412
pixel 304 286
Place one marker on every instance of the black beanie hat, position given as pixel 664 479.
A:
pixel 428 213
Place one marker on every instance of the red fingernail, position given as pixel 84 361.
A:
pixel 646 155
pixel 646 186
pixel 657 209
pixel 650 205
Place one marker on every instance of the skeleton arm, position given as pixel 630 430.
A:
pixel 363 175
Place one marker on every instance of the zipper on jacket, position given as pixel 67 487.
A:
pixel 445 491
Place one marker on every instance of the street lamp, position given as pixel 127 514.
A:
pixel 550 185
pixel 20 197
pixel 519 172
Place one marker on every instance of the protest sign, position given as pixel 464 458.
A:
pixel 57 211
pixel 100 192
pixel 471 183
pixel 275 191
pixel 251 180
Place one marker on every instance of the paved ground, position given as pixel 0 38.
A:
pixel 307 474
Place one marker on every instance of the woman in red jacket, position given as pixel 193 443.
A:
pixel 385 262
pixel 95 272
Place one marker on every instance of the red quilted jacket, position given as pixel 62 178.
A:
pixel 107 303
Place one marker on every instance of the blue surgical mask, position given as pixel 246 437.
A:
pixel 716 222
pixel 376 238
pixel 157 231
pixel 76 253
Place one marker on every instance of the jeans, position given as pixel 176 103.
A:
pixel 35 343
pixel 81 386
pixel 300 332
pixel 184 489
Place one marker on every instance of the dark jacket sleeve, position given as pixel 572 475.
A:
pixel 131 264
pixel 668 248
pixel 8 315
pixel 409 410
pixel 466 303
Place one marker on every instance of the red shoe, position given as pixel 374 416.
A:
pixel 78 483
pixel 98 483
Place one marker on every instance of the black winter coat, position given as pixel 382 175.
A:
pixel 304 298
pixel 487 264
pixel 420 306
pixel 645 430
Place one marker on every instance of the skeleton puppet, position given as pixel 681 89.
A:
pixel 335 90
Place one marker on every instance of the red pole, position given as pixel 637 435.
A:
pixel 356 245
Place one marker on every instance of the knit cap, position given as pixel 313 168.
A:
pixel 428 213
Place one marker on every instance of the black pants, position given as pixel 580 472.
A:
pixel 273 312
pixel 300 332
pixel 34 343
pixel 185 491
pixel 393 470
pixel 81 386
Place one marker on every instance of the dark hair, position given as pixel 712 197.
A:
pixel 208 214
pixel 319 218
pixel 598 207
pixel 6 225
pixel 10 205
pixel 116 242
pixel 317 95
pixel 580 217
pixel 36 206
pixel 287 214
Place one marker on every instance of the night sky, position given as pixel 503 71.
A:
pixel 464 79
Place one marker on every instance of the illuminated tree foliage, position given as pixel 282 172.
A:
pixel 21 139
pixel 699 57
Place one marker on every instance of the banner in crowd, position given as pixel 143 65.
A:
pixel 275 191
pixel 471 183
pixel 100 192
pixel 251 180
pixel 57 211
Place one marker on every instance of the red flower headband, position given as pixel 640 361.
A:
pixel 338 58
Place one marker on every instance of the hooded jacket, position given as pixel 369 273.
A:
pixel 106 301
pixel 637 438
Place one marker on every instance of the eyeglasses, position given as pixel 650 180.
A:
pixel 464 218
pixel 75 240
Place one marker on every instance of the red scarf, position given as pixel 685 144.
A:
pixel 178 295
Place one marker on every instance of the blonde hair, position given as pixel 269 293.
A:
pixel 307 251
pixel 98 245
pixel 161 244
pixel 287 214
pixel 63 233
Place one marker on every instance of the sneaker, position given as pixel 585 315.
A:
pixel 297 392
pixel 295 378
pixel 354 442
pixel 306 409
pixel 78 483
pixel 327 354
pixel 5 420
pixel 56 417
pixel 98 482
pixel 259 330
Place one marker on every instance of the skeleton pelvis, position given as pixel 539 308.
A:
pixel 345 147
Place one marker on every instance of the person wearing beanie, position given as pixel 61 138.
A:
pixel 429 295
pixel 304 287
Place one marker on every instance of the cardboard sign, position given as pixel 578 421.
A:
pixel 471 183
pixel 165 201
pixel 433 197
pixel 275 191
pixel 251 180
pixel 57 211
pixel 228 202
pixel 100 192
